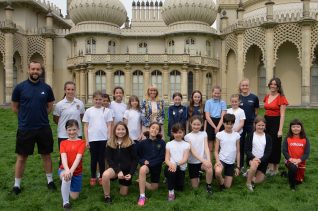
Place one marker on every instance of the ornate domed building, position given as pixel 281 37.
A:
pixel 170 44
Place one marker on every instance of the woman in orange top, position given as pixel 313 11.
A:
pixel 275 106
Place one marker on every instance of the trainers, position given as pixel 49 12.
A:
pixel 51 186
pixel 245 174
pixel 67 206
pixel 142 201
pixel 222 187
pixel 92 182
pixel 100 181
pixel 16 190
pixel 209 189
pixel 171 197
pixel 108 200
pixel 250 187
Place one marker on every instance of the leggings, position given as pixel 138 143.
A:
pixel 97 150
pixel 247 129
pixel 292 171
pixel 175 180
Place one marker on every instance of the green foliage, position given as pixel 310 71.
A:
pixel 273 194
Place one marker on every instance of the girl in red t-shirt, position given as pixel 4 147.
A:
pixel 275 106
pixel 296 148
pixel 70 172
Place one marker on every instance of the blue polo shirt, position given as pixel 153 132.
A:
pixel 33 99
pixel 215 107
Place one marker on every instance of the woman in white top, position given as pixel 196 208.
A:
pixel 68 108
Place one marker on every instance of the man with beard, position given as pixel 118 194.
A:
pixel 33 100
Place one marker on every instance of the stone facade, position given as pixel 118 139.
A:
pixel 169 44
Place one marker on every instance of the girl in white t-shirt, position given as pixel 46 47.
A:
pixel 227 150
pixel 106 104
pixel 258 148
pixel 97 129
pixel 177 154
pixel 132 118
pixel 199 158
pixel 118 106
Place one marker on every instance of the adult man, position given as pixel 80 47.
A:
pixel 33 100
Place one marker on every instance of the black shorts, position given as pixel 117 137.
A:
pixel 228 169
pixel 194 170
pixel 124 182
pixel 262 167
pixel 211 131
pixel 26 140
pixel 155 172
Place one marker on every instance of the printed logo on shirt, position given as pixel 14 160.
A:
pixel 42 93
pixel 158 146
pixel 250 101
pixel 296 144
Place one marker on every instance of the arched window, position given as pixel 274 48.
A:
pixel 119 78
pixel 100 80
pixel 90 46
pixel 190 46
pixel 111 47
pixel 261 81
pixel 208 48
pixel 175 82
pixel 156 79
pixel 142 48
pixel 171 47
pixel 314 81
pixel 208 85
pixel 138 84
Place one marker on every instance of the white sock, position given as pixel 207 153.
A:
pixel 171 191
pixel 65 191
pixel 142 195
pixel 49 178
pixel 17 182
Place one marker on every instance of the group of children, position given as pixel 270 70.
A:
pixel 193 132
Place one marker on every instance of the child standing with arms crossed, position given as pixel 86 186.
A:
pixel 199 158
pixel 215 108
pixel 70 172
pixel 118 106
pixel 122 160
pixel 151 153
pixel 132 118
pixel 296 149
pixel 258 148
pixel 177 113
pixel 177 154
pixel 97 129
pixel 227 150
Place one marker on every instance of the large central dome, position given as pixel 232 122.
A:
pixel 110 11
pixel 189 11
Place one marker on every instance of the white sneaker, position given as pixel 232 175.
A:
pixel 245 173
pixel 250 187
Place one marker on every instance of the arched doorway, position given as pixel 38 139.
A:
pixel 231 76
pixel 255 71
pixel 17 65
pixel 288 70
pixel 37 57
pixel 314 79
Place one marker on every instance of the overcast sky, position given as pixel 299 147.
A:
pixel 62 5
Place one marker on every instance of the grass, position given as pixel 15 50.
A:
pixel 273 194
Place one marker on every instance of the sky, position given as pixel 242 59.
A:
pixel 62 5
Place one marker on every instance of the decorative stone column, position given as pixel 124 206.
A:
pixel 91 84
pixel 82 84
pixel 223 68
pixel 128 82
pixel 49 35
pixel 224 21
pixel 109 80
pixel 184 83
pixel 165 79
pixel 306 8
pixel 9 28
pixel 239 59
pixel 147 79
pixel 203 82
pixel 197 83
pixel 77 81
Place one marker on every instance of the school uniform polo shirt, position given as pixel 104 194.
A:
pixel 215 107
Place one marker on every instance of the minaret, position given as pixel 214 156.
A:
pixel 67 8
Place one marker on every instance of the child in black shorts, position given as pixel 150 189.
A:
pixel 151 153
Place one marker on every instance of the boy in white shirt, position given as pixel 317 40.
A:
pixel 227 150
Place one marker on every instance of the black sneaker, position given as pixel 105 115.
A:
pixel 209 189
pixel 51 186
pixel 108 200
pixel 16 190
pixel 222 187
pixel 67 206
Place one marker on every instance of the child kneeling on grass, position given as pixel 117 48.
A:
pixel 122 160
pixel 227 148
pixel 258 147
pixel 70 171
pixel 151 153
pixel 199 158
pixel 296 149
pixel 177 154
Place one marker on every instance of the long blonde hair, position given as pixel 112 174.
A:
pixel 112 142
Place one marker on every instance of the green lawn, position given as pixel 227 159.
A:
pixel 273 194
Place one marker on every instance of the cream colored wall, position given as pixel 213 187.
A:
pixel 289 71
pixel 61 74
pixel 231 76
pixel 251 67
pixel 27 18
pixel 2 82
